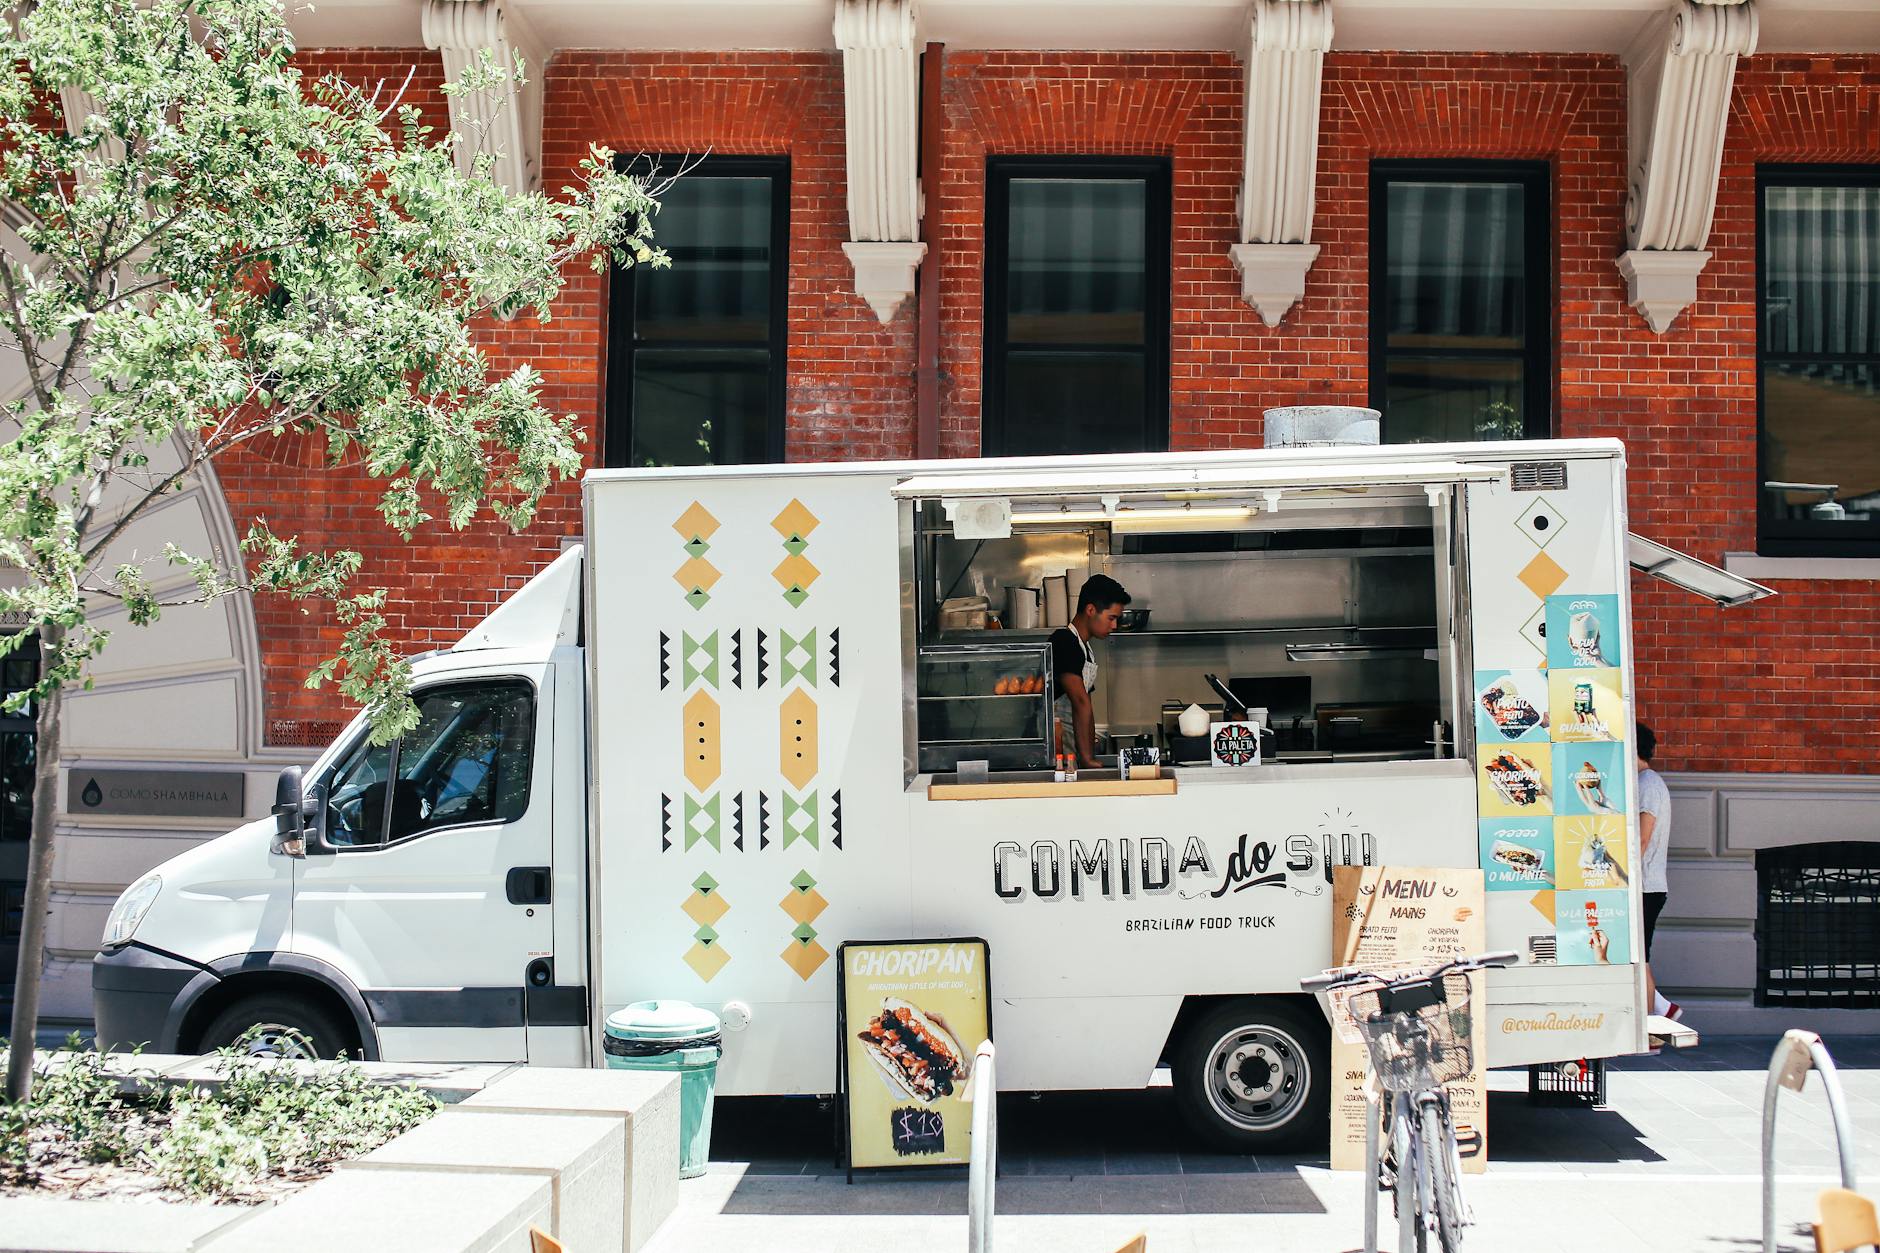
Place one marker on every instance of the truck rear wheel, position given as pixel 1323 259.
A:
pixel 1254 1076
pixel 282 1025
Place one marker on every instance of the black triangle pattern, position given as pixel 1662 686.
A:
pixel 665 660
pixel 737 813
pixel 835 656
pixel 665 823
pixel 763 658
pixel 835 820
pixel 737 659
pixel 763 820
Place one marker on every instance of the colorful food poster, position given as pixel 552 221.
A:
pixel 910 1015
pixel 1590 779
pixel 1587 705
pixel 1515 780
pixel 1583 632
pixel 1517 855
pixel 1397 918
pixel 1594 928
pixel 1591 853
pixel 1510 706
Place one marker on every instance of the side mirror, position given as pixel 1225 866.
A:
pixel 294 834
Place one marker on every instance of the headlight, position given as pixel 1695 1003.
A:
pixel 130 910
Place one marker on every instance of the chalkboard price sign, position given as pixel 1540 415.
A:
pixel 918 1131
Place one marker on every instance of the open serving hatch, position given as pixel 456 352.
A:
pixel 1699 577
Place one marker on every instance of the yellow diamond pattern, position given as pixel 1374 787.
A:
pixel 696 572
pixel 803 906
pixel 1542 576
pixel 695 521
pixel 795 571
pixel 796 738
pixel 804 958
pixel 705 908
pixel 706 960
pixel 796 519
pixel 698 730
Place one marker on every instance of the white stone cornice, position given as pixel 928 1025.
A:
pixel 881 107
pixel 504 121
pixel 1279 168
pixel 1678 80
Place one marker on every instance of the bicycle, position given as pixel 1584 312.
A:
pixel 1417 1029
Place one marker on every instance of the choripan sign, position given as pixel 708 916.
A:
pixel 765 711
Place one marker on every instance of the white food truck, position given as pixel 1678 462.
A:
pixel 764 710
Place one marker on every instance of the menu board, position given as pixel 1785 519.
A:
pixel 1388 918
pixel 1553 765
pixel 910 1016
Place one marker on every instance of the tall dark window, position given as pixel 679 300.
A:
pixel 1461 300
pixel 19 671
pixel 1818 270
pixel 1077 273
pixel 695 371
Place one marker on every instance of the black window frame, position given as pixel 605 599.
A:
pixel 1158 175
pixel 1776 537
pixel 1537 356
pixel 617 420
pixel 418 696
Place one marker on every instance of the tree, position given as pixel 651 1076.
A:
pixel 223 251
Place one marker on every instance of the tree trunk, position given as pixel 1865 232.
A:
pixel 38 878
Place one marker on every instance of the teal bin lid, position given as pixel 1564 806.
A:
pixel 664 1021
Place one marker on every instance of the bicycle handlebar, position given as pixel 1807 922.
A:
pixel 1343 975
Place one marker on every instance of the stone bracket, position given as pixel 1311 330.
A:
pixel 1273 276
pixel 505 121
pixel 1678 80
pixel 1286 50
pixel 884 272
pixel 881 107
pixel 1661 285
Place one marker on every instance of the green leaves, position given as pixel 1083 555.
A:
pixel 224 251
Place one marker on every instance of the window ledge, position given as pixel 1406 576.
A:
pixel 1752 566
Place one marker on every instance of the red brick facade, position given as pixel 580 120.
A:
pixel 1735 690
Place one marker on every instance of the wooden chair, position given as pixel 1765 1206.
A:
pixel 1847 1222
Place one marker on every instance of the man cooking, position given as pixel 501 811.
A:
pixel 1099 608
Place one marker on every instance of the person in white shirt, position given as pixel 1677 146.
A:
pixel 1654 841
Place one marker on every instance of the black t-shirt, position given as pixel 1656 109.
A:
pixel 1067 654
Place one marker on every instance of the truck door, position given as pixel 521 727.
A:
pixel 435 898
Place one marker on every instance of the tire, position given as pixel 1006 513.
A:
pixel 287 1026
pixel 1440 1151
pixel 1253 1076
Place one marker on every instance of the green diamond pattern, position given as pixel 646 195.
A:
pixel 804 933
pixel 809 830
pixel 795 595
pixel 693 646
pixel 697 546
pixel 795 545
pixel 697 597
pixel 701 822
pixel 804 644
pixel 802 883
pixel 705 935
pixel 704 882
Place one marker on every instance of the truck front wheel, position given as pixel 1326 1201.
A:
pixel 276 1025
pixel 1253 1076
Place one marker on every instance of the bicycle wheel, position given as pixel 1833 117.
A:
pixel 1441 1165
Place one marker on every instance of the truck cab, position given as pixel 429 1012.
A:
pixel 421 899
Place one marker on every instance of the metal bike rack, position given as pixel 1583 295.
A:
pixel 982 1165
pixel 1796 1054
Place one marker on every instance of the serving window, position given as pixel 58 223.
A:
pixel 1328 613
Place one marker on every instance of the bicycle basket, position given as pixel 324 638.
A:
pixel 1418 1049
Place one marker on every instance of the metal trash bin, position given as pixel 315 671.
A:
pixel 673 1035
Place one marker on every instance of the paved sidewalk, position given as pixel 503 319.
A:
pixel 1673 1163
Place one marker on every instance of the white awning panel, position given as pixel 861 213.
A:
pixel 1728 590
pixel 1022 484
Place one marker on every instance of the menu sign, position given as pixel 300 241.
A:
pixel 1396 918
pixel 910 1016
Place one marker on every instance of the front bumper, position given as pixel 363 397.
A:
pixel 132 993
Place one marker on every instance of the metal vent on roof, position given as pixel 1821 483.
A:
pixel 1538 476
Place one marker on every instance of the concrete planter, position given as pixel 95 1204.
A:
pixel 589 1156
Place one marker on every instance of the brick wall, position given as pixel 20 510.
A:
pixel 1736 690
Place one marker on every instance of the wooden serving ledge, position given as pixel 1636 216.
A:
pixel 1044 789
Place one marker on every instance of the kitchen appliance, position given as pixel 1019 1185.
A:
pixel 1057 608
pixel 985 702
pixel 1134 620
